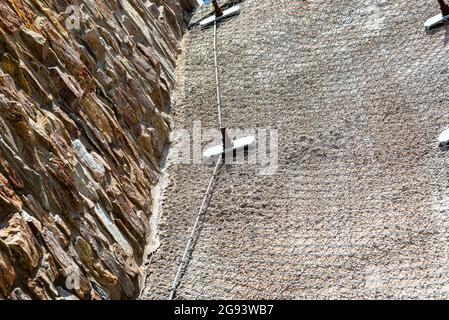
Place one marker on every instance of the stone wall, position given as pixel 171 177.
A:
pixel 83 124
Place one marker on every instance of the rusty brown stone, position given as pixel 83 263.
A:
pixel 72 106
pixel 17 236
pixel 7 273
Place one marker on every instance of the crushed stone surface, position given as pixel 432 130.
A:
pixel 359 205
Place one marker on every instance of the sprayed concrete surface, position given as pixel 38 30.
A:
pixel 359 205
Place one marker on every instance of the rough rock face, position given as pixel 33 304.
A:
pixel 359 205
pixel 82 128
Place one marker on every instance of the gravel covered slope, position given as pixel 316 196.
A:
pixel 358 206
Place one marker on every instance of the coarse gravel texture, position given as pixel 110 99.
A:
pixel 359 205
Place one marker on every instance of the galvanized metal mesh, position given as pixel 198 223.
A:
pixel 359 205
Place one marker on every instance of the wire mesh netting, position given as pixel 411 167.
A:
pixel 358 206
